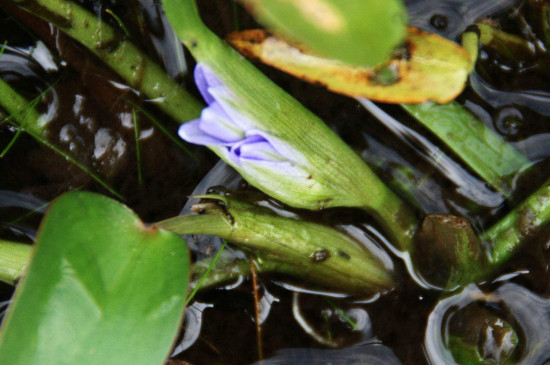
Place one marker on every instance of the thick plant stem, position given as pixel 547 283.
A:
pixel 13 260
pixel 522 223
pixel 310 251
pixel 120 54
pixel 479 147
pixel 21 111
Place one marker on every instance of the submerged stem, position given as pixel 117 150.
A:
pixel 140 71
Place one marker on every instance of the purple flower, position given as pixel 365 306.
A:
pixel 222 124
pixel 276 144
pixel 229 131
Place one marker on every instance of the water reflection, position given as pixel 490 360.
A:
pixel 367 353
pixel 17 227
pixel 191 326
pixel 528 314
pixel 451 17
pixel 535 100
pixel 466 184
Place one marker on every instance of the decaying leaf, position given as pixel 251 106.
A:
pixel 428 67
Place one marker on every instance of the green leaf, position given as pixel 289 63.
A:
pixel 101 289
pixel 477 145
pixel 429 67
pixel 362 33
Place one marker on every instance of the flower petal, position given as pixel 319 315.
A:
pixel 281 147
pixel 204 79
pixel 255 148
pixel 216 123
pixel 232 106
pixel 192 133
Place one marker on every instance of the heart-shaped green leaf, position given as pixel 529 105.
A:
pixel 102 288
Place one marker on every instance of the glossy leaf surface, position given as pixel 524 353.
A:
pixel 101 289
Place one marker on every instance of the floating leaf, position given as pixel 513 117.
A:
pixel 429 67
pixel 101 289
pixel 357 32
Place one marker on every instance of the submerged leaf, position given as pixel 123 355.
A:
pixel 429 67
pixel 101 289
pixel 357 32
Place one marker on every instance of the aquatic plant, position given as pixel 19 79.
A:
pixel 77 294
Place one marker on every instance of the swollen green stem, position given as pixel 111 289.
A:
pixel 310 251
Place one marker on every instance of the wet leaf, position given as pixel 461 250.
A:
pixel 430 67
pixel 101 289
pixel 356 32
pixel 479 147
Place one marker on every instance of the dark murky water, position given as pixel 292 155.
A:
pixel 91 116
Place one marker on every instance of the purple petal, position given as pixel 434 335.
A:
pixel 205 79
pixel 216 123
pixel 230 105
pixel 192 133
pixel 282 148
pixel 255 148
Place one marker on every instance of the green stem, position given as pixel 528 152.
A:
pixel 13 260
pixel 302 249
pixel 396 219
pixel 224 271
pixel 519 225
pixel 478 146
pixel 449 252
pixel 120 54
pixel 21 111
